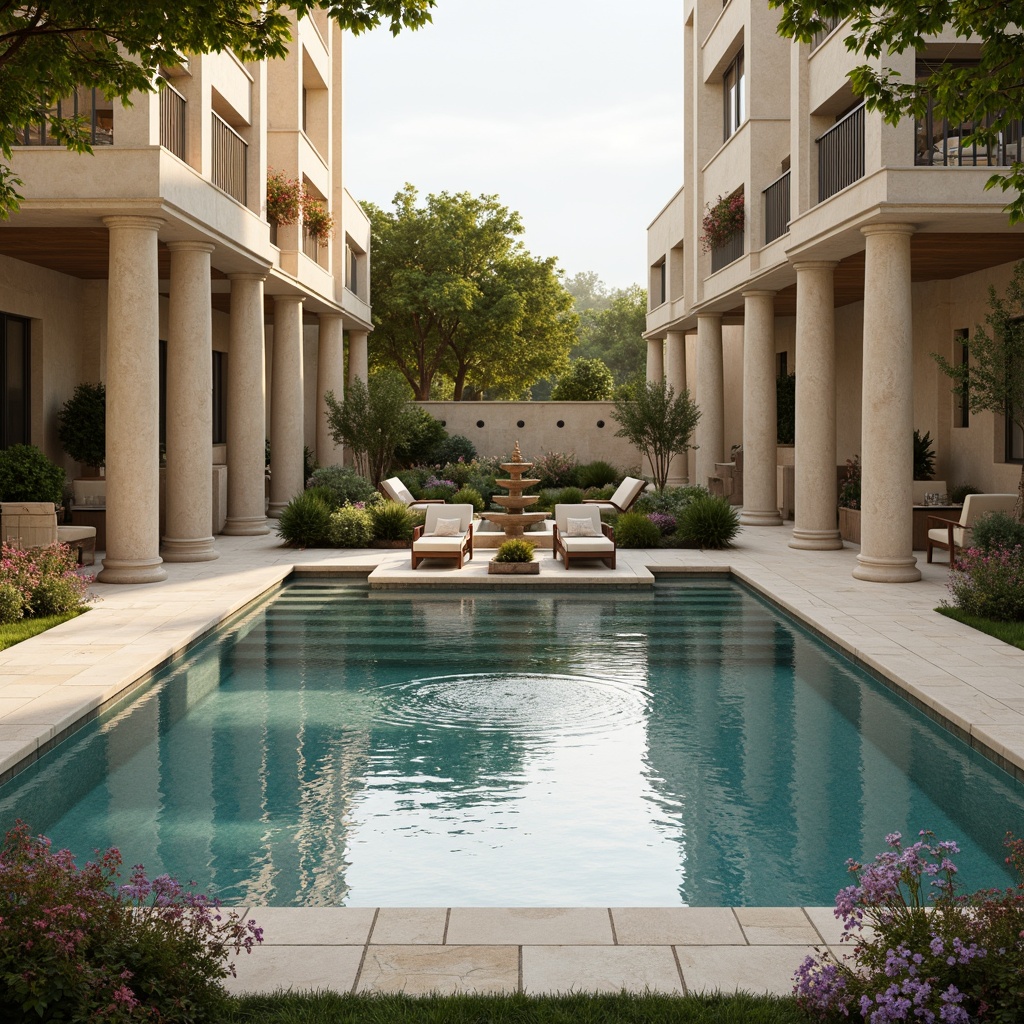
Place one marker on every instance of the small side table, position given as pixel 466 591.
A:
pixel 92 515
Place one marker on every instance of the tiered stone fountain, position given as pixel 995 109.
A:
pixel 514 519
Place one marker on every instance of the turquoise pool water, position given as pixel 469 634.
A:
pixel 341 746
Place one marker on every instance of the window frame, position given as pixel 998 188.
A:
pixel 734 107
pixel 23 433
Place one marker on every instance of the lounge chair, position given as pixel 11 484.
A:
pixel 625 494
pixel 395 490
pixel 33 524
pixel 579 533
pixel 447 533
pixel 955 533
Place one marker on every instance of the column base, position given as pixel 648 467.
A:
pixel 127 570
pixel 275 508
pixel 194 549
pixel 754 517
pixel 245 526
pixel 816 540
pixel 886 570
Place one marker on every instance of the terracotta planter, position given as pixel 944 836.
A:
pixel 513 568
pixel 849 524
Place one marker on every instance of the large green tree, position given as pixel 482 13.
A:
pixel 989 95
pixel 455 293
pixel 611 324
pixel 48 48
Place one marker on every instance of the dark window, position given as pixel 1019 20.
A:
pixel 664 282
pixel 220 394
pixel 962 412
pixel 782 364
pixel 353 271
pixel 15 334
pixel 733 87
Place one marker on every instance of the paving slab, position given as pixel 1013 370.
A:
pixel 548 970
pixel 676 925
pixel 421 970
pixel 313 926
pixel 410 925
pixel 296 968
pixel 577 926
pixel 776 926
pixel 757 969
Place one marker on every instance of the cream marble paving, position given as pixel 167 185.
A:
pixel 420 970
pixel 407 926
pixel 313 926
pixel 756 969
pixel 560 969
pixel 530 925
pixel 299 968
pixel 676 925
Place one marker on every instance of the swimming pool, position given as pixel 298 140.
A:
pixel 345 746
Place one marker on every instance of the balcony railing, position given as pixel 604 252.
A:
pixel 832 23
pixel 172 121
pixel 776 209
pixel 940 143
pixel 729 252
pixel 310 246
pixel 841 154
pixel 229 159
pixel 98 120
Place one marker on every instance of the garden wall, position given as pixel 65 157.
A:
pixel 586 428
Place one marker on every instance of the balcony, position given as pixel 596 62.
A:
pixel 310 246
pixel 229 159
pixel 172 121
pixel 776 209
pixel 730 251
pixel 831 24
pixel 939 143
pixel 841 154
pixel 88 105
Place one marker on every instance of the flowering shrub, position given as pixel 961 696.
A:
pixel 665 522
pixel 40 581
pixel 989 583
pixel 350 527
pixel 316 218
pixel 434 487
pixel 849 491
pixel 722 220
pixel 75 945
pixel 556 469
pixel 932 955
pixel 284 198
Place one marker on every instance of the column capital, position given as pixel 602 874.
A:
pixel 709 316
pixel 889 229
pixel 286 300
pixel 815 264
pixel 190 245
pixel 758 293
pixel 331 315
pixel 247 276
pixel 133 221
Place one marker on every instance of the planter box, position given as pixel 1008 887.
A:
pixel 849 524
pixel 391 544
pixel 513 568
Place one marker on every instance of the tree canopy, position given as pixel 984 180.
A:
pixel 612 324
pixel 455 294
pixel 49 48
pixel 988 95
pixel 586 380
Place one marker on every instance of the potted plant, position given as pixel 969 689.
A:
pixel 317 219
pixel 514 557
pixel 723 220
pixel 849 502
pixel 82 426
pixel 284 198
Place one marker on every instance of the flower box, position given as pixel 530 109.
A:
pixel 513 568
pixel 849 524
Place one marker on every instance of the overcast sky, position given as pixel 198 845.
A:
pixel 569 110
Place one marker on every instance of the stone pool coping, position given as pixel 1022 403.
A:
pixel 973 683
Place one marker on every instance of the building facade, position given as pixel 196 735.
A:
pixel 865 247
pixel 152 266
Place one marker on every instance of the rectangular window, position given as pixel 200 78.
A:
pixel 220 398
pixel 15 384
pixel 733 88
pixel 353 271
pixel 782 364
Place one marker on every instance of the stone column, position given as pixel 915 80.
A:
pixel 675 374
pixel 710 431
pixel 330 376
pixel 286 405
pixel 887 410
pixel 760 427
pixel 358 357
pixel 815 528
pixel 655 359
pixel 133 398
pixel 247 402
pixel 189 474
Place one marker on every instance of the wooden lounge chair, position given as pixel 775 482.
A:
pixel 951 534
pixel 625 494
pixel 433 539
pixel 395 490
pixel 579 533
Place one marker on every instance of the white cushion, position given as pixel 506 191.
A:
pixel 448 545
pixel 587 545
pixel 447 528
pixel 397 491
pixel 579 528
pixel 563 513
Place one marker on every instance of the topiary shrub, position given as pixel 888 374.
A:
pixel 597 474
pixel 351 527
pixel 391 521
pixel 12 605
pixel 26 474
pixel 454 449
pixel 305 521
pixel 82 425
pixel 469 496
pixel 515 550
pixel 996 531
pixel 346 485
pixel 708 521
pixel 635 530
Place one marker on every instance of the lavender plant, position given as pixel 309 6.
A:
pixel 989 583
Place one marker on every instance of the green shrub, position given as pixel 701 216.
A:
pixel 54 596
pixel 469 496
pixel 670 501
pixel 597 474
pixel 958 493
pixel 26 474
pixel 78 945
pixel 391 521
pixel 996 530
pixel 785 408
pixel 305 521
pixel 568 496
pixel 708 521
pixel 515 550
pixel 82 425
pixel 346 485
pixel 460 473
pixel 42 576
pixel 309 463
pixel 351 527
pixel 600 493
pixel 635 530
pixel 326 495
pixel 454 449
pixel 423 442
pixel 989 583
pixel 12 605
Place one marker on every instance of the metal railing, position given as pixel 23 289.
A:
pixel 229 159
pixel 730 251
pixel 776 209
pixel 832 23
pixel 172 121
pixel 310 246
pixel 939 143
pixel 841 154
pixel 99 123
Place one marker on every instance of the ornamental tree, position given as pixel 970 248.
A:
pixel 989 95
pixel 587 380
pixel 48 48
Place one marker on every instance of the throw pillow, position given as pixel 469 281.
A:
pixel 579 528
pixel 448 528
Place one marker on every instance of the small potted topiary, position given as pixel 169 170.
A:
pixel 514 557
pixel 82 426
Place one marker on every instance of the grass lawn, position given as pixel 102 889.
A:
pixel 17 631
pixel 1008 632
pixel 329 1008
